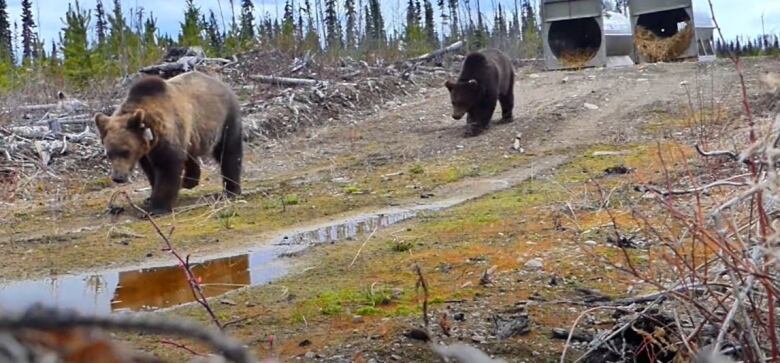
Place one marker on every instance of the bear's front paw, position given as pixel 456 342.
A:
pixel 159 211
pixel 189 183
pixel 473 131
pixel 506 120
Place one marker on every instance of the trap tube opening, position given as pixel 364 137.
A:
pixel 665 35
pixel 575 42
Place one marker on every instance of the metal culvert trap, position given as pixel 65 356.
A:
pixel 619 38
pixel 705 36
pixel 575 42
pixel 573 34
pixel 664 30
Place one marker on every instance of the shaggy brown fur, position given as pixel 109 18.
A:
pixel 486 78
pixel 165 126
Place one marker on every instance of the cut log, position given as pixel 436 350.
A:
pixel 31 132
pixel 283 81
pixel 66 120
pixel 450 48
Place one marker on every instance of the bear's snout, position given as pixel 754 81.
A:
pixel 458 115
pixel 119 178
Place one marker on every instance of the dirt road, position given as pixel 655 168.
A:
pixel 395 154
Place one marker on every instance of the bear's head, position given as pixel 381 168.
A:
pixel 127 137
pixel 463 96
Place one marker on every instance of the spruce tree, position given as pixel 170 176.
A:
pixel 300 29
pixel 351 30
pixel 454 22
pixel 6 48
pixel 150 31
pixel 28 32
pixel 215 40
pixel 514 27
pixel 286 38
pixel 117 32
pixel 479 34
pixel 411 17
pixel 77 60
pixel 101 26
pixel 311 40
pixel 247 21
pixel 375 26
pixel 444 18
pixel 332 25
pixel 191 27
pixel 54 62
pixel 430 25
pixel 532 40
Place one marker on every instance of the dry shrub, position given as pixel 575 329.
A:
pixel 660 49
pixel 577 58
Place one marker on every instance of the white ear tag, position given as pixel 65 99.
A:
pixel 148 136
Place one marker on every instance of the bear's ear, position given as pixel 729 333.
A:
pixel 449 85
pixel 137 121
pixel 101 121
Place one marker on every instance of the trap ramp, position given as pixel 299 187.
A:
pixel 664 30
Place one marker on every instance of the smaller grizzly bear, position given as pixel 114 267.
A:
pixel 487 77
pixel 165 126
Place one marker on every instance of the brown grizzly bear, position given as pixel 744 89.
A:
pixel 486 78
pixel 165 126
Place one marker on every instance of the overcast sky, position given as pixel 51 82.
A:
pixel 737 17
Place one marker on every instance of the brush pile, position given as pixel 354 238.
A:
pixel 281 95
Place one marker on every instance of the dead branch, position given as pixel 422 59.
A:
pixel 702 189
pixel 729 154
pixel 40 318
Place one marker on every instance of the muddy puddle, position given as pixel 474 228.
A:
pixel 156 288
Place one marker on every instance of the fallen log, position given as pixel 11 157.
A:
pixel 284 81
pixel 65 120
pixel 450 48
pixel 183 65
pixel 31 132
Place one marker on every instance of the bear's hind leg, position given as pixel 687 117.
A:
pixel 507 104
pixel 229 154
pixel 191 173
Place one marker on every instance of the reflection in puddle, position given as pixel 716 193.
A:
pixel 145 289
pixel 137 292
pixel 163 287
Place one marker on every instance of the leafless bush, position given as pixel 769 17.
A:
pixel 713 257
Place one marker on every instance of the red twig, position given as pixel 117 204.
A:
pixel 424 285
pixel 182 347
pixel 763 219
pixel 184 263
